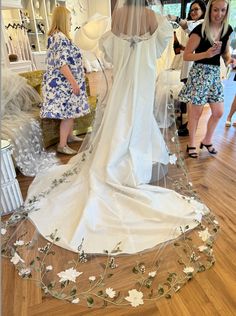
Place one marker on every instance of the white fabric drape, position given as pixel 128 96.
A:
pixel 110 195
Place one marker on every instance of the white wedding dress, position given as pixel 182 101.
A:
pixel 103 195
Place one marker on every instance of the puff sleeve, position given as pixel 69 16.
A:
pixel 62 50
pixel 164 34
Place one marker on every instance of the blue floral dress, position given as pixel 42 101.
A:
pixel 59 101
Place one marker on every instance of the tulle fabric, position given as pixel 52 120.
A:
pixel 19 124
pixel 119 224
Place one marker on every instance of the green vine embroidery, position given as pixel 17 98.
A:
pixel 146 286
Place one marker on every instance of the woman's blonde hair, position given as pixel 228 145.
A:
pixel 207 21
pixel 60 21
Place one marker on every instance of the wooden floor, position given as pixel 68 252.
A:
pixel 211 293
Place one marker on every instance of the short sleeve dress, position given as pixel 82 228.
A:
pixel 205 71
pixel 59 101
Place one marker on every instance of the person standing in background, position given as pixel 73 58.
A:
pixel 207 42
pixel 195 16
pixel 64 90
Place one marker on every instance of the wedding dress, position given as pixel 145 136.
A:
pixel 102 201
pixel 110 201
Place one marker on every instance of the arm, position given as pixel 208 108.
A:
pixel 65 70
pixel 62 53
pixel 191 46
pixel 226 55
pixel 181 22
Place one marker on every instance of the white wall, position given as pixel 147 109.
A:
pixel 99 6
pixel 5 4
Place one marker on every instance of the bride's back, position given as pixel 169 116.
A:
pixel 133 20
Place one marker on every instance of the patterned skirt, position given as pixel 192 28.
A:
pixel 203 85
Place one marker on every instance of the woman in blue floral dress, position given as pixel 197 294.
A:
pixel 64 90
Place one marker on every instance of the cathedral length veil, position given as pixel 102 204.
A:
pixel 119 224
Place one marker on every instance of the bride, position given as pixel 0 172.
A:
pixel 126 192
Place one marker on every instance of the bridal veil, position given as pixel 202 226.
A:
pixel 119 224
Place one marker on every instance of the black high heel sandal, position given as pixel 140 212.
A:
pixel 212 151
pixel 191 155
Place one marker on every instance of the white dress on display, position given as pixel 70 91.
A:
pixel 110 200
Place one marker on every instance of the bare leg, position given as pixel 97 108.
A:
pixel 194 114
pixel 73 138
pixel 216 113
pixel 232 110
pixel 65 129
pixel 71 130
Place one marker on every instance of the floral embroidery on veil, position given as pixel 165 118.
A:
pixel 193 256
pixel 78 280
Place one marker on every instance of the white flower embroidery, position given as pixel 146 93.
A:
pixel 75 301
pixel 152 274
pixel 69 275
pixel 135 298
pixel 92 278
pixel 110 292
pixel 172 159
pixel 3 231
pixel 24 272
pixel 202 248
pixel 204 234
pixel 49 268
pixel 16 259
pixel 188 270
pixel 19 243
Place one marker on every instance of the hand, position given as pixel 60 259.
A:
pixel 217 44
pixel 231 62
pixel 171 18
pixel 75 88
pixel 214 50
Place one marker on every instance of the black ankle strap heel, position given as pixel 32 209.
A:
pixel 191 155
pixel 212 151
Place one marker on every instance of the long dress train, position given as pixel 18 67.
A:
pixel 111 195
